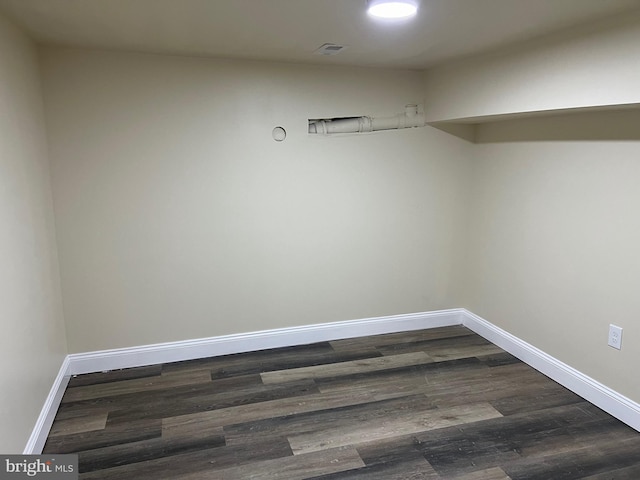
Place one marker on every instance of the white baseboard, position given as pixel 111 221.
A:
pixel 612 402
pixel 38 437
pixel 247 342
pixel 99 361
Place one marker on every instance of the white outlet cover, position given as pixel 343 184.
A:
pixel 615 336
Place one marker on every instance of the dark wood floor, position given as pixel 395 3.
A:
pixel 434 404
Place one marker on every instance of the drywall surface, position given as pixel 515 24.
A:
pixel 32 344
pixel 180 217
pixel 592 67
pixel 553 250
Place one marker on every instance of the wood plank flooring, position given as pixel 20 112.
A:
pixel 434 404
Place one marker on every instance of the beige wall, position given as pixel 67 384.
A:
pixel 552 253
pixel 32 344
pixel 179 216
pixel 590 67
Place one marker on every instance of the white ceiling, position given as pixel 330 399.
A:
pixel 290 30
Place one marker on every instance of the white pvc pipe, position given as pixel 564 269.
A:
pixel 409 119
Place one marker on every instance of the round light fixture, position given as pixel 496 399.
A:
pixel 392 8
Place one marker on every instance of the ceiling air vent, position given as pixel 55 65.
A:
pixel 329 49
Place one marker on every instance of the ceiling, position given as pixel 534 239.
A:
pixel 290 30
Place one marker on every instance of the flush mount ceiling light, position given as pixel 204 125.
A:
pixel 392 8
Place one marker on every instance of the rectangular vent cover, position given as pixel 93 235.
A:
pixel 329 49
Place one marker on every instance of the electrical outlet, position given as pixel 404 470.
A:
pixel 615 336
